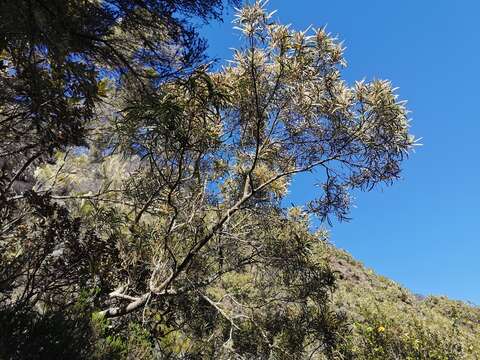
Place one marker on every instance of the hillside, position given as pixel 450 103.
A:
pixel 389 322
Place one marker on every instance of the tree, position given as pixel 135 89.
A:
pixel 56 57
pixel 182 186
pixel 209 160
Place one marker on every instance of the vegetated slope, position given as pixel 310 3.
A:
pixel 389 322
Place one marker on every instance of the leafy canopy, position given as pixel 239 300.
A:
pixel 180 183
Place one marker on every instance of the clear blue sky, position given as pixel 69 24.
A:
pixel 423 231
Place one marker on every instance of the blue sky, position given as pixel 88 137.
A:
pixel 423 231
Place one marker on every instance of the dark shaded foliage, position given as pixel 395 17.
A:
pixel 26 334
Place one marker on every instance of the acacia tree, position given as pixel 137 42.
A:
pixel 187 179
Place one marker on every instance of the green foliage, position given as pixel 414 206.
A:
pixel 153 225
pixel 388 322
pixel 134 342
pixel 26 334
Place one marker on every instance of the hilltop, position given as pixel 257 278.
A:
pixel 390 322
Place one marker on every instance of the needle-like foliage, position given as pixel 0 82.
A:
pixel 179 186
